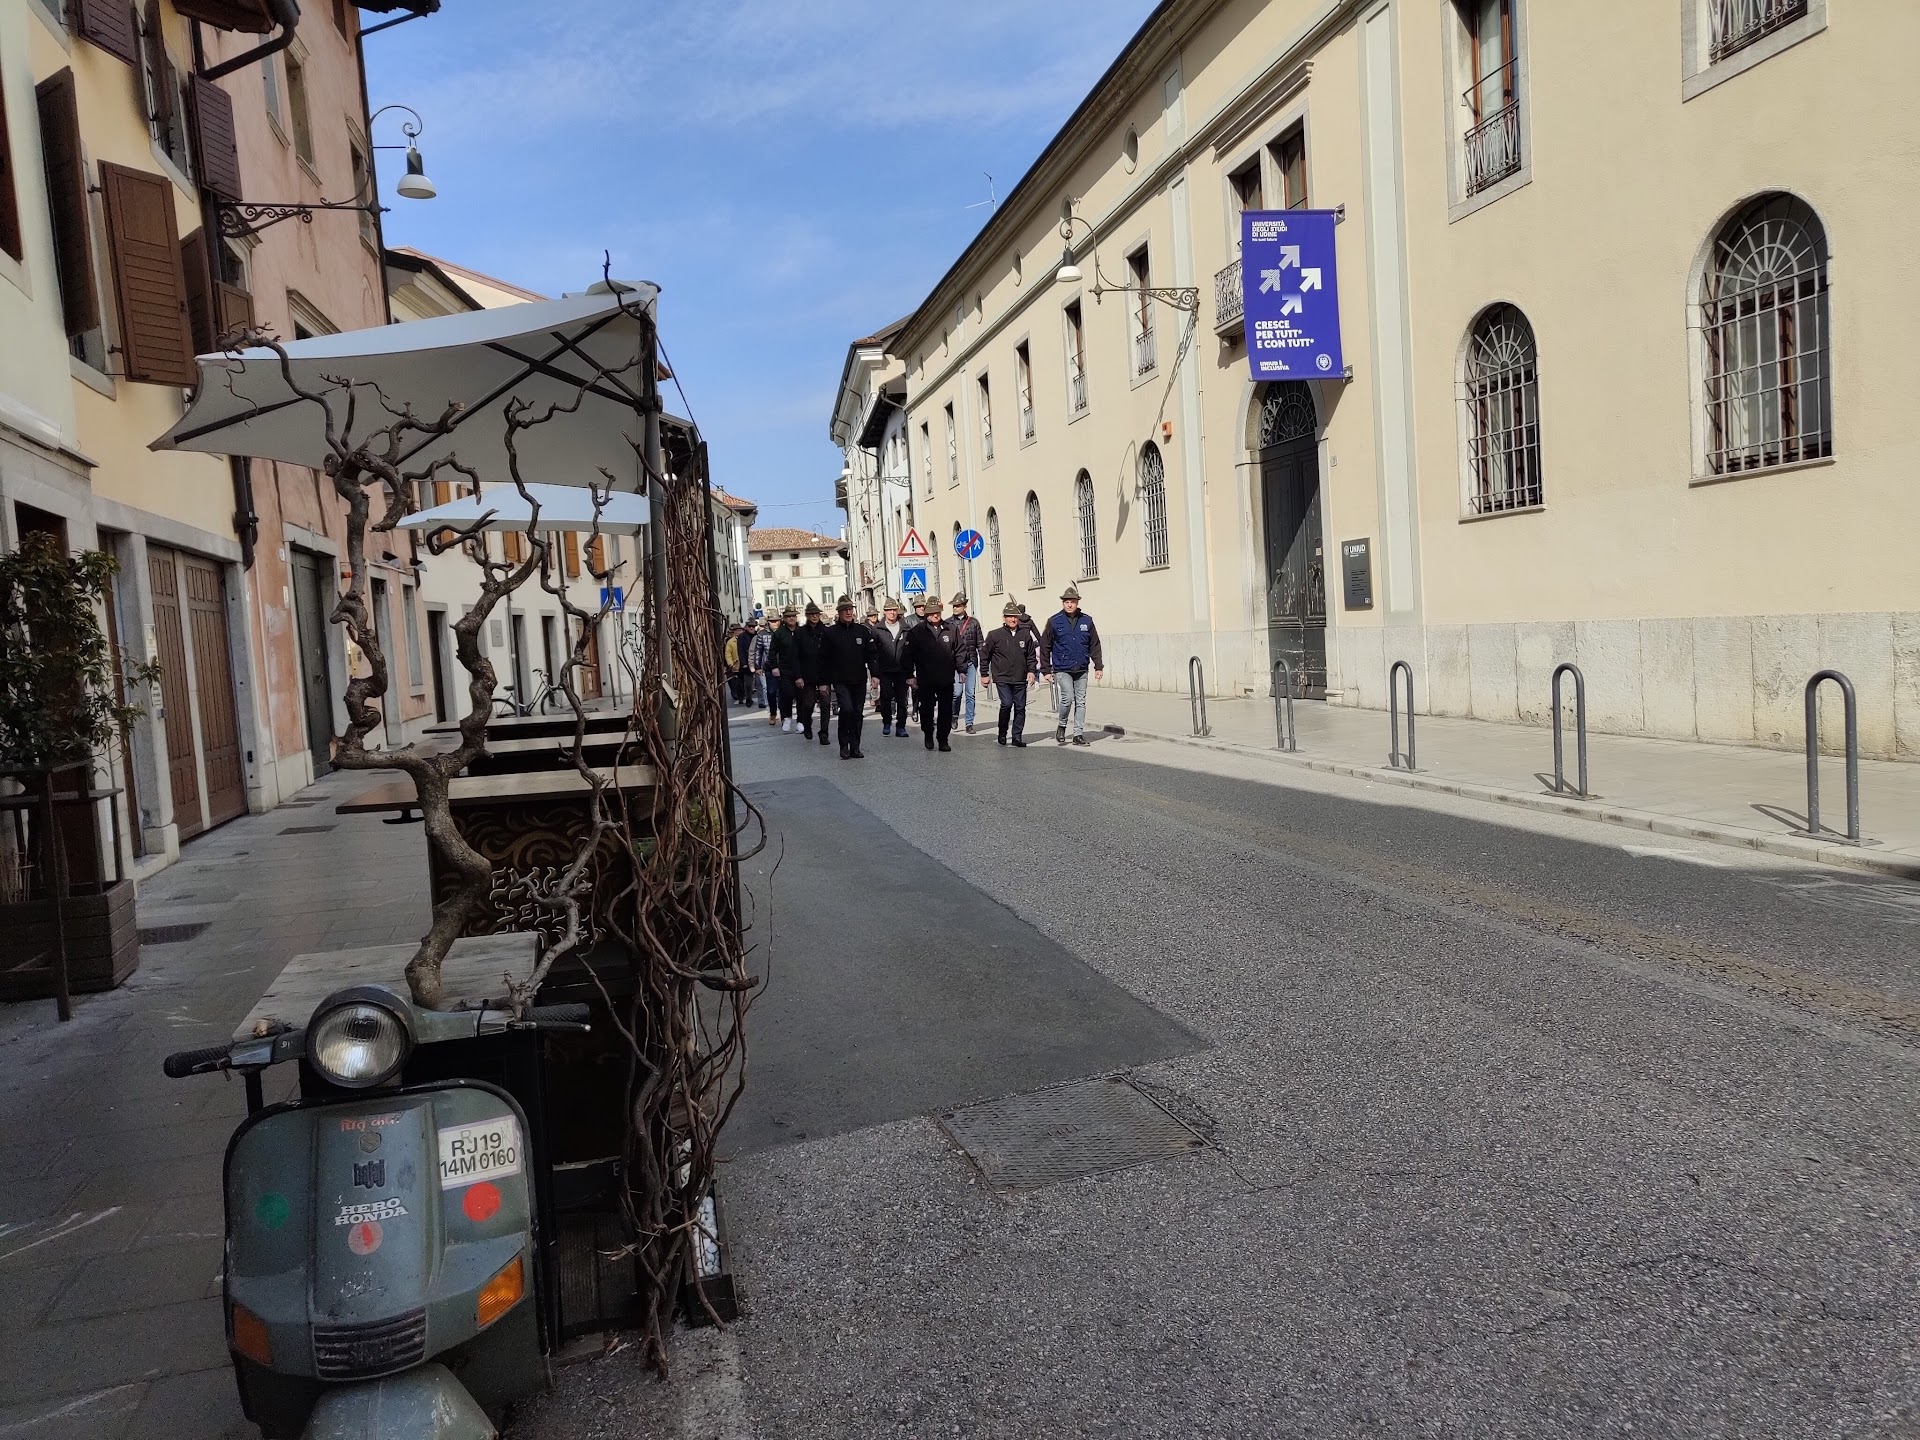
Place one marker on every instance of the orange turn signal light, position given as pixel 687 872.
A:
pixel 250 1336
pixel 502 1292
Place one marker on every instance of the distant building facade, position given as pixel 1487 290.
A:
pixel 793 567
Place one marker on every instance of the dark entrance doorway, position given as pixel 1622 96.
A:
pixel 437 658
pixel 206 591
pixel 1296 551
pixel 310 610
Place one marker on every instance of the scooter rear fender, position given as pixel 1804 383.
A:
pixel 423 1404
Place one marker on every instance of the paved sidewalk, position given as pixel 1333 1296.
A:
pixel 1736 795
pixel 110 1208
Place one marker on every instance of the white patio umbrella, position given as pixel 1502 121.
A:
pixel 562 507
pixel 542 352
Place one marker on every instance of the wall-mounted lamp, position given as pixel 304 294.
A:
pixel 1181 297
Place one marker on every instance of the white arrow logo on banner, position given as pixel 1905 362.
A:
pixel 1269 281
pixel 1310 278
pixel 1289 255
pixel 1291 305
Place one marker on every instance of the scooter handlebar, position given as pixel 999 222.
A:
pixel 559 1015
pixel 183 1063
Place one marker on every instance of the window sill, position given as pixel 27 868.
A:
pixel 1472 519
pixel 1760 51
pixel 1145 377
pixel 91 378
pixel 1156 569
pixel 1499 191
pixel 1077 416
pixel 279 130
pixel 1732 476
pixel 306 164
pixel 1025 441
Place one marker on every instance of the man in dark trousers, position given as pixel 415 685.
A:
pixel 811 686
pixel 781 668
pixel 1009 658
pixel 890 669
pixel 930 662
pixel 848 650
pixel 966 655
pixel 1069 645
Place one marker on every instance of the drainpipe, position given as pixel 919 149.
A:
pixel 286 14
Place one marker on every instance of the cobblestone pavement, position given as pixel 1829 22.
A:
pixel 110 1212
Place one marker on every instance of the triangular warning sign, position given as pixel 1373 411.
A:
pixel 913 547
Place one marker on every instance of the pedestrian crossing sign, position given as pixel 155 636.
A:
pixel 913 579
pixel 913 547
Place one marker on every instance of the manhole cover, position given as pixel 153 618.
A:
pixel 306 829
pixel 172 934
pixel 1089 1128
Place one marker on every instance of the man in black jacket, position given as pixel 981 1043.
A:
pixel 890 669
pixel 847 654
pixel 1010 658
pixel 810 683
pixel 930 658
pixel 781 668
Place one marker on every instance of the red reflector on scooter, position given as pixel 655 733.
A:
pixel 481 1201
pixel 250 1339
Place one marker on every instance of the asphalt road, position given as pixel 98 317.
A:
pixel 1516 1126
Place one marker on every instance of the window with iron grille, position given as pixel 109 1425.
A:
pixel 1076 360
pixel 1153 504
pixel 1140 278
pixel 1089 530
pixel 1023 384
pixel 1763 316
pixel 1500 413
pixel 953 450
pixel 1492 98
pixel 986 421
pixel 993 552
pixel 1732 25
pixel 1036 546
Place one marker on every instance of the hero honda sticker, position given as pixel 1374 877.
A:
pixel 479 1150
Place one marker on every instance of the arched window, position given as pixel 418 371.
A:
pixel 1500 413
pixel 1036 546
pixel 1089 531
pixel 1153 503
pixel 993 551
pixel 1763 316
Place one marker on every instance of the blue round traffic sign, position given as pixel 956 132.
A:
pixel 968 544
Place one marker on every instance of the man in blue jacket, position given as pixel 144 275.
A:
pixel 1069 646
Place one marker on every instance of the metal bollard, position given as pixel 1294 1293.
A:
pixel 1197 695
pixel 1813 755
pixel 1393 714
pixel 1283 720
pixel 1579 729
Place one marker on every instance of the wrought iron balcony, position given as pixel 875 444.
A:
pixel 1229 305
pixel 1026 422
pixel 1077 389
pixel 1736 24
pixel 1144 357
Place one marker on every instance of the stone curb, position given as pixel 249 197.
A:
pixel 1814 851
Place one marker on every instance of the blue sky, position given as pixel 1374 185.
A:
pixel 794 175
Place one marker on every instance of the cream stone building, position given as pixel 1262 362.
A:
pixel 1626 315
pixel 792 567
pixel 874 489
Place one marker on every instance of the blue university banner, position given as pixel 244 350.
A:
pixel 1291 294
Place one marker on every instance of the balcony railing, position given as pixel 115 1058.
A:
pixel 986 442
pixel 1143 354
pixel 1736 24
pixel 1077 389
pixel 1026 422
pixel 1229 306
pixel 1493 145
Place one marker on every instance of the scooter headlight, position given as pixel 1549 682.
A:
pixel 358 1043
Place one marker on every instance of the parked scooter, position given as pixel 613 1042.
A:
pixel 380 1235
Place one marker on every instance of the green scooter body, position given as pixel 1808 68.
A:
pixel 361 1235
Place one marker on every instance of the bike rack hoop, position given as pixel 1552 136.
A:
pixel 1288 737
pixel 1394 757
pixel 1567 667
pixel 1852 724
pixel 1197 695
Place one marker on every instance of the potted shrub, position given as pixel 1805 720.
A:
pixel 60 708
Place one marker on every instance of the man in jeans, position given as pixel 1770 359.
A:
pixel 1009 659
pixel 1069 644
pixel 967 639
pixel 890 669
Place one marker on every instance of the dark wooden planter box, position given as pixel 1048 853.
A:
pixel 103 943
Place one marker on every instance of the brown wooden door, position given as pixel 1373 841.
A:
pixel 183 775
pixel 589 682
pixel 213 686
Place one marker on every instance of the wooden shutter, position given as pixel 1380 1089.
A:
pixel 156 336
pixel 236 308
pixel 442 492
pixel 513 542
pixel 573 555
pixel 218 155
pixel 67 198
pixel 196 266
pixel 597 555
pixel 108 24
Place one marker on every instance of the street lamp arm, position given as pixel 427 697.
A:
pixel 1180 297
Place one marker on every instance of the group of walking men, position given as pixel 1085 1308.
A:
pixel 923 662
